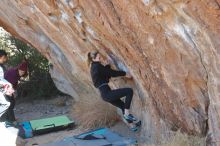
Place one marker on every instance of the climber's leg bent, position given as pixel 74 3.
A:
pixel 113 97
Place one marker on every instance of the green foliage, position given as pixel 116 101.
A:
pixel 37 62
pixel 4 40
pixel 39 82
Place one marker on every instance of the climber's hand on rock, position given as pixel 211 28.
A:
pixel 128 75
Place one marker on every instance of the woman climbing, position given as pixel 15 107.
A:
pixel 100 76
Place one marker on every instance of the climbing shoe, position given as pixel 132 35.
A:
pixel 134 128
pixel 127 121
pixel 130 117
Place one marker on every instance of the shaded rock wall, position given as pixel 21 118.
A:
pixel 171 47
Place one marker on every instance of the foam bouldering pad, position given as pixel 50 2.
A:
pixel 46 125
pixel 98 137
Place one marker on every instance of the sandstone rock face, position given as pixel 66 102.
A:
pixel 171 47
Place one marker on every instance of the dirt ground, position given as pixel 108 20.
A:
pixel 30 110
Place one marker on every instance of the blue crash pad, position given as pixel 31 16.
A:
pixel 98 137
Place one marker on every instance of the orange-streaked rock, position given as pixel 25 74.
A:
pixel 171 47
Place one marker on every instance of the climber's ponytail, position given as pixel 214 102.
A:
pixel 91 55
pixel 89 59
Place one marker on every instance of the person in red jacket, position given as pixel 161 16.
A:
pixel 13 75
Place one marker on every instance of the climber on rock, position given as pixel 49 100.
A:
pixel 101 74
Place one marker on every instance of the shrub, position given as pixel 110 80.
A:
pixel 180 139
pixel 94 113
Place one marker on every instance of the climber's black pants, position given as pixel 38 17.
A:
pixel 114 96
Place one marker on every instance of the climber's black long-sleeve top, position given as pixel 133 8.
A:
pixel 101 74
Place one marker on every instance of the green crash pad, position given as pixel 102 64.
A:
pixel 41 126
